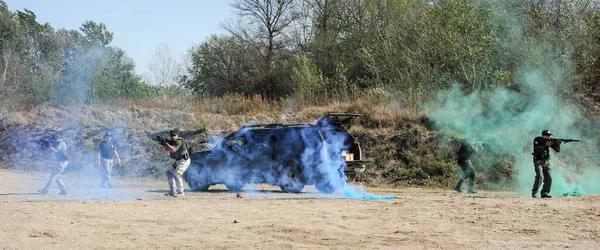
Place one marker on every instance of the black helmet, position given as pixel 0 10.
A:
pixel 546 132
pixel 108 134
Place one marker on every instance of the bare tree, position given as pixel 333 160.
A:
pixel 262 24
pixel 302 16
pixel 327 14
pixel 163 69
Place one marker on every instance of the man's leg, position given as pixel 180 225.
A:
pixel 536 182
pixel 463 177
pixel 53 177
pixel 170 180
pixel 103 182
pixel 108 164
pixel 459 184
pixel 182 165
pixel 59 182
pixel 547 180
pixel 471 176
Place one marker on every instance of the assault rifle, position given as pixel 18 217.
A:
pixel 558 140
pixel 44 143
pixel 162 141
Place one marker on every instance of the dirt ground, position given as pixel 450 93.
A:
pixel 136 214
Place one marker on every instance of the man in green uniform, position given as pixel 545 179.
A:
pixel 107 152
pixel 59 149
pixel 178 150
pixel 464 154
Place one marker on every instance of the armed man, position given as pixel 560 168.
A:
pixel 465 152
pixel 541 161
pixel 178 150
pixel 59 148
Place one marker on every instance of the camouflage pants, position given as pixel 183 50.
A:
pixel 55 176
pixel 542 171
pixel 107 165
pixel 174 175
pixel 468 172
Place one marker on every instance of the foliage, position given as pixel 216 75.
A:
pixel 40 65
pixel 308 80
pixel 405 45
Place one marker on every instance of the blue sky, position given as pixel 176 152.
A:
pixel 139 26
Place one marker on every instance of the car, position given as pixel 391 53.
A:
pixel 290 156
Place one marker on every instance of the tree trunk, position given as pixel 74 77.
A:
pixel 4 69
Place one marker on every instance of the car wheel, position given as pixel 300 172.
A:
pixel 290 180
pixel 197 178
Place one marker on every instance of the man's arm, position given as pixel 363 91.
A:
pixel 98 158
pixel 117 156
pixel 171 148
pixel 54 150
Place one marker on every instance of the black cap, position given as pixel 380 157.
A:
pixel 108 134
pixel 173 132
pixel 546 132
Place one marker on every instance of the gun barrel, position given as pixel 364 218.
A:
pixel 568 140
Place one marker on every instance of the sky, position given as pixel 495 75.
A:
pixel 139 26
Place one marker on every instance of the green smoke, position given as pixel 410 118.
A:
pixel 509 119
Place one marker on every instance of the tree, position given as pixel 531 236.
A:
pixel 265 24
pixel 8 32
pixel 222 65
pixel 326 50
pixel 262 26
pixel 302 28
pixel 95 34
pixel 163 69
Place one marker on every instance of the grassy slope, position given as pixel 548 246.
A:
pixel 406 150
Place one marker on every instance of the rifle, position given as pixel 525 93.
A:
pixel 43 143
pixel 558 140
pixel 162 141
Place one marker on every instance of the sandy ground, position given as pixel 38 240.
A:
pixel 137 215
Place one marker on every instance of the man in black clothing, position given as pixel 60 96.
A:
pixel 107 152
pixel 464 154
pixel 541 163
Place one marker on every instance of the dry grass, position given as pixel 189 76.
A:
pixel 231 111
pixel 230 104
pixel 210 113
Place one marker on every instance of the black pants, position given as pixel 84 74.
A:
pixel 542 166
pixel 468 172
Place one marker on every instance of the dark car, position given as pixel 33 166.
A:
pixel 288 155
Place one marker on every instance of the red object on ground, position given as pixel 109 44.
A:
pixel 239 195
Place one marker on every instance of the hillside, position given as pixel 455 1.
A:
pixel 406 146
pixel 383 132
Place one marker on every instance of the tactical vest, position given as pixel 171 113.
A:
pixel 540 150
pixel 182 152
